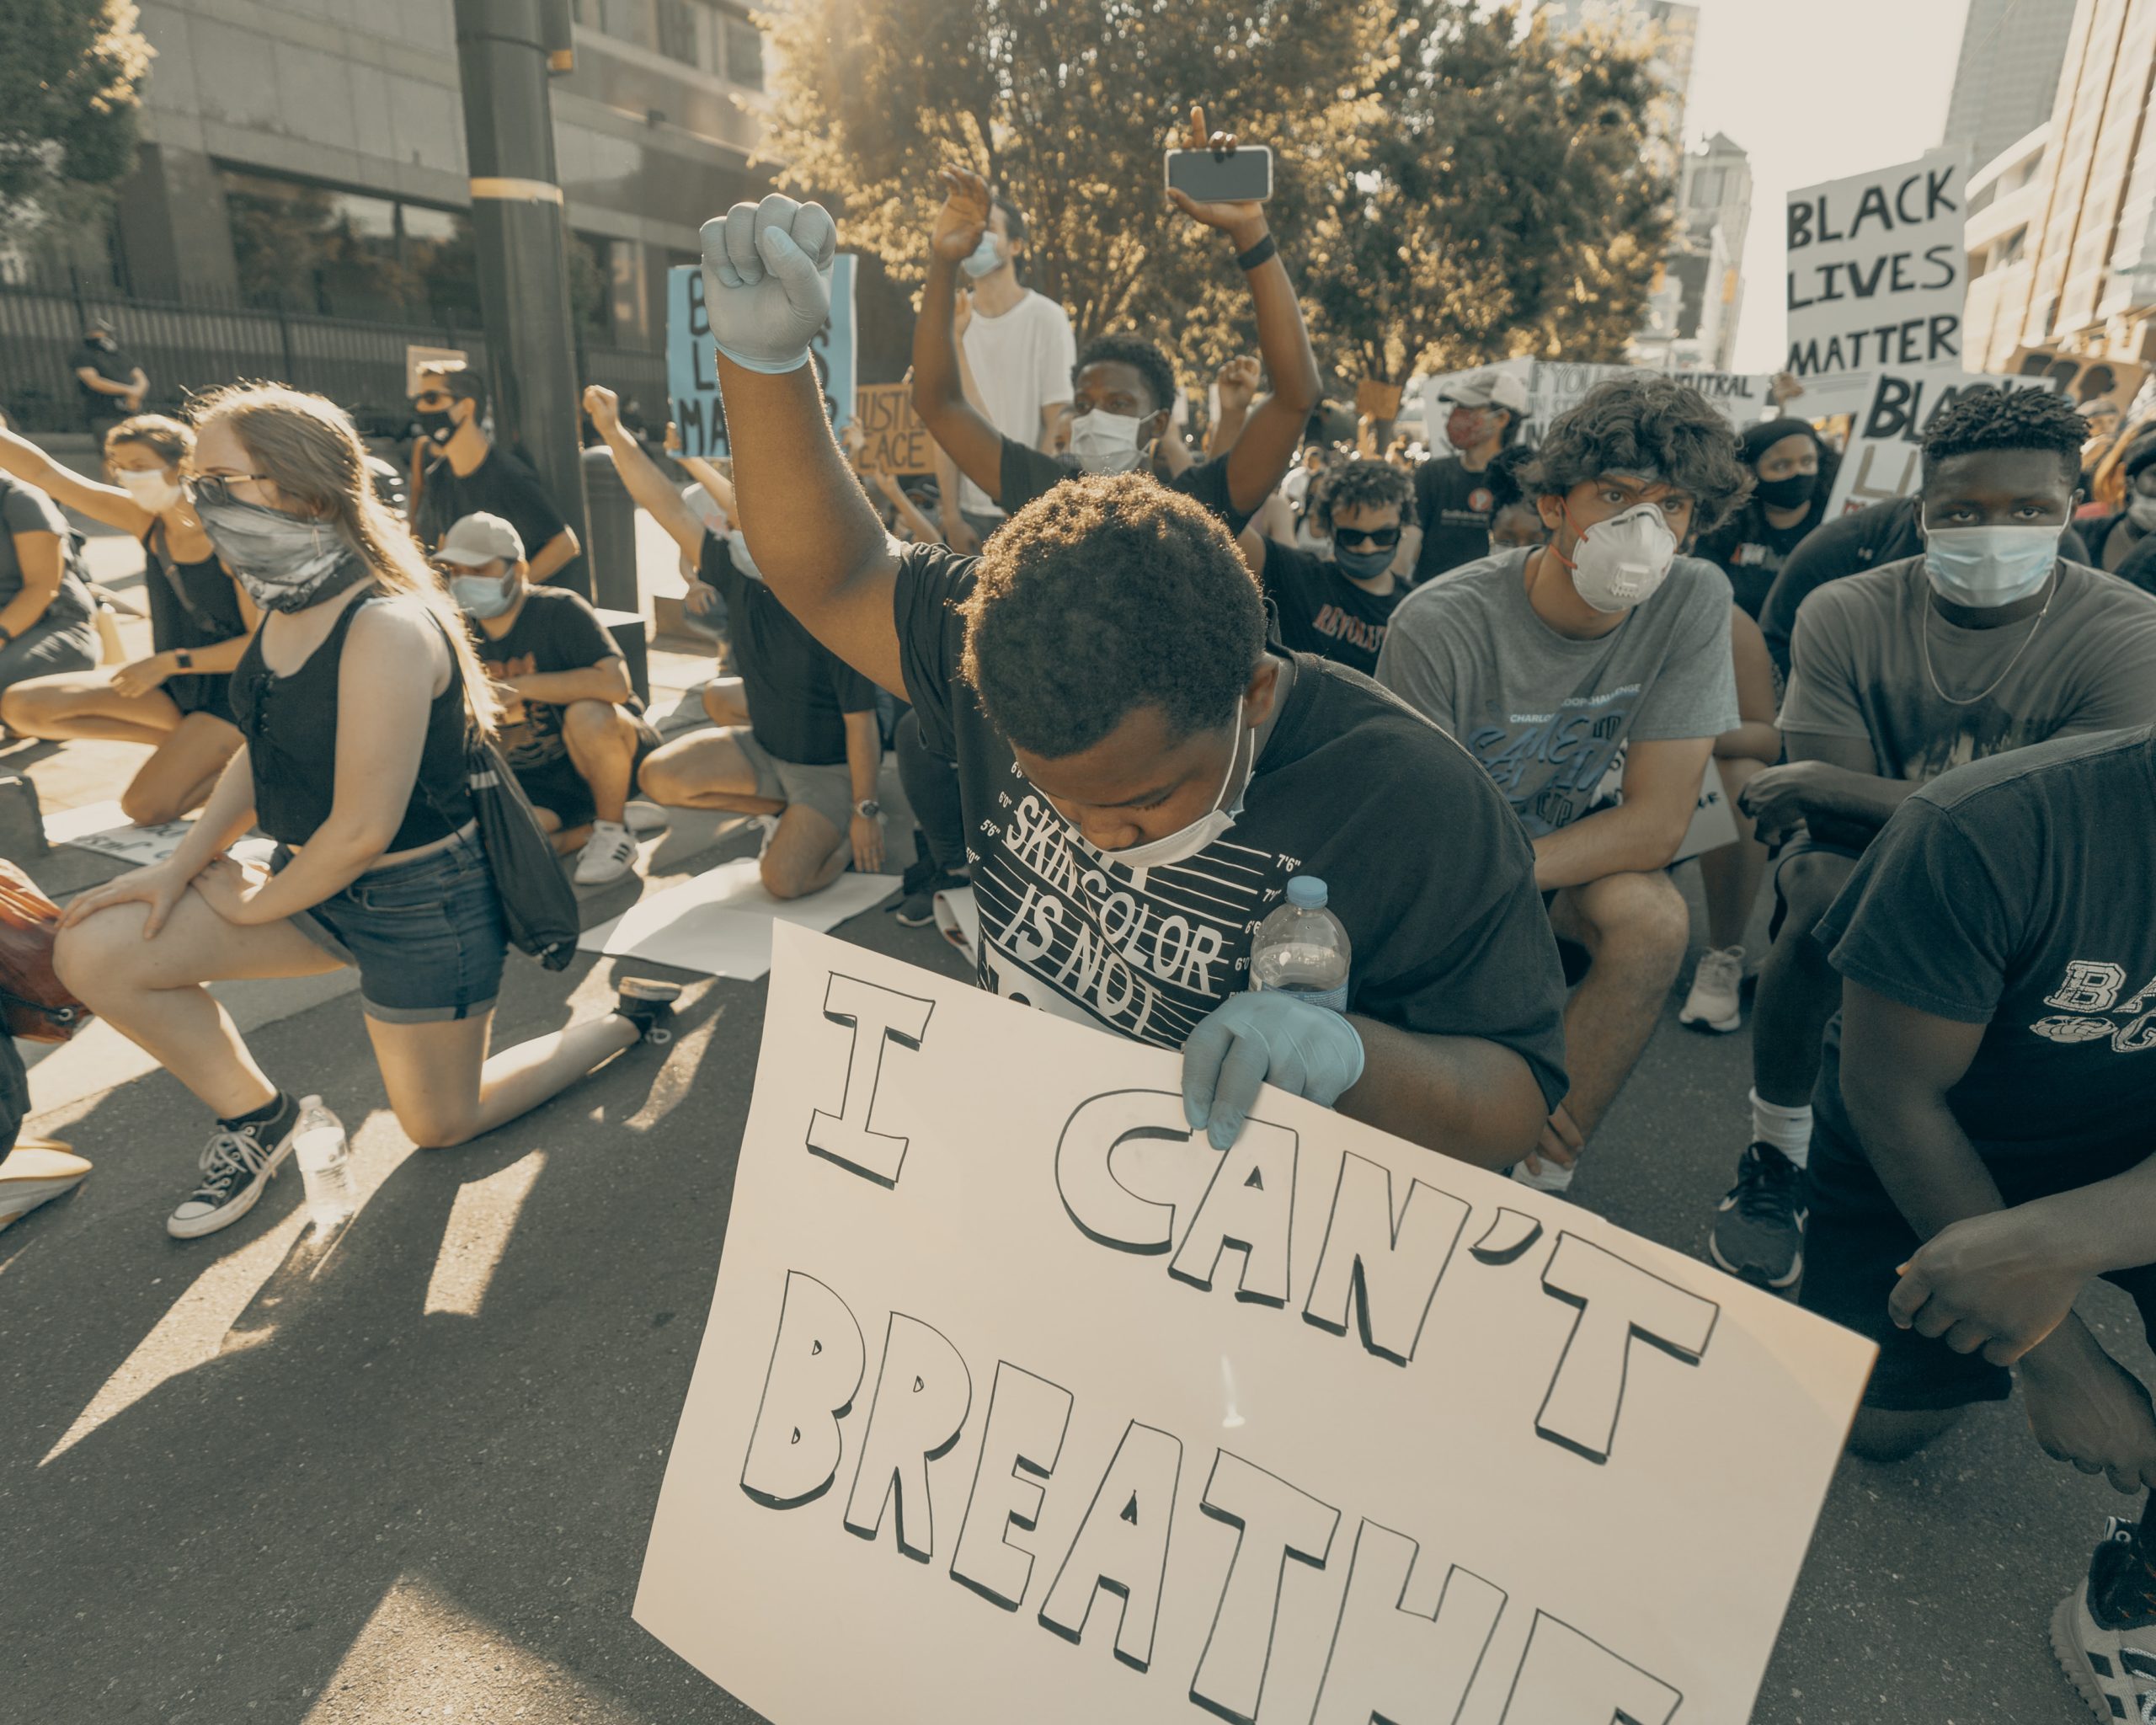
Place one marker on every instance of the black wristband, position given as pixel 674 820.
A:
pixel 1263 252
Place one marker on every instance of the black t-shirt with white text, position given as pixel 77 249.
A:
pixel 1027 474
pixel 1321 612
pixel 1750 550
pixel 797 689
pixel 556 631
pixel 2013 893
pixel 1423 861
pixel 500 485
pixel 1454 507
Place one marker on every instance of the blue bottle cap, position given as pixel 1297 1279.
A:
pixel 1306 892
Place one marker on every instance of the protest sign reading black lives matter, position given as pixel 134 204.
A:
pixel 1885 456
pixel 693 400
pixel 1017 1403
pixel 1875 280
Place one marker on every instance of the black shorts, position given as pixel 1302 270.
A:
pixel 558 786
pixel 1856 1239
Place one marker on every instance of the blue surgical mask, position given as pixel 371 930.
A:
pixel 1984 568
pixel 1365 565
pixel 484 595
pixel 985 260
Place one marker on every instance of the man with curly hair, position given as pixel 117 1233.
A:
pixel 1337 605
pixel 1600 658
pixel 1141 775
pixel 1988 640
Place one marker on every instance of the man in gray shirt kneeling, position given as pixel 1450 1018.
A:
pixel 1602 651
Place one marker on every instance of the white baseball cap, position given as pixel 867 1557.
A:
pixel 1486 388
pixel 478 540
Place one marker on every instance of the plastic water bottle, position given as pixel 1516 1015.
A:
pixel 1302 949
pixel 325 1160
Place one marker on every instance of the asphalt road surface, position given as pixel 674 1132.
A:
pixel 406 1480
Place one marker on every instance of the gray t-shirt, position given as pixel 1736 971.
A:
pixel 1545 714
pixel 25 509
pixel 1857 669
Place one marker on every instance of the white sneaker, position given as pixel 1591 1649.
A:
pixel 37 1173
pixel 1717 1000
pixel 2104 1633
pixel 608 854
pixel 643 818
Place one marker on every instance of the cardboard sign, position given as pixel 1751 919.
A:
pixel 1884 459
pixel 2086 378
pixel 1379 400
pixel 1555 386
pixel 1876 276
pixel 692 366
pixel 899 442
pixel 1018 1404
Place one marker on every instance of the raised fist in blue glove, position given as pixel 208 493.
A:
pixel 767 280
pixel 1264 1038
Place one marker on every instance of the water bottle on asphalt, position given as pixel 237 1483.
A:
pixel 325 1160
pixel 1302 949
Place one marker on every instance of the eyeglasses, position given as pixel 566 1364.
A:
pixel 217 487
pixel 1378 539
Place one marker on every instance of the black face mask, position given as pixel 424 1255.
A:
pixel 103 342
pixel 436 425
pixel 1791 492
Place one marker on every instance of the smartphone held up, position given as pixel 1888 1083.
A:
pixel 1242 175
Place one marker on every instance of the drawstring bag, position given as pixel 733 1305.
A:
pixel 34 1004
pixel 538 903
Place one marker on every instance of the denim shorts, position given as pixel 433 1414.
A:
pixel 427 935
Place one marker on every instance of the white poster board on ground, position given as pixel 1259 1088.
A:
pixel 104 827
pixel 720 922
pixel 1876 277
pixel 1015 1404
pixel 1884 459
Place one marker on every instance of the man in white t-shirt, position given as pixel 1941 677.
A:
pixel 1020 352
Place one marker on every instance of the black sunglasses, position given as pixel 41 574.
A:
pixel 217 487
pixel 1378 539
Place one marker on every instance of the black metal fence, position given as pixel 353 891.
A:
pixel 185 348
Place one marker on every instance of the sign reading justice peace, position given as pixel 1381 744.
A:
pixel 1019 1403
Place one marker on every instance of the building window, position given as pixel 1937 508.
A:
pixel 625 20
pixel 316 249
pixel 677 31
pixel 744 53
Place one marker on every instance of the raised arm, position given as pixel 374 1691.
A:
pixel 107 504
pixel 654 495
pixel 1267 448
pixel 959 428
pixel 819 546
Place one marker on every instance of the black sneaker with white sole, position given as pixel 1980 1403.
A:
pixel 648 1005
pixel 917 909
pixel 1759 1231
pixel 2104 1632
pixel 236 1164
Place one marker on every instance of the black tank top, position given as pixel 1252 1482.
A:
pixel 192 606
pixel 290 726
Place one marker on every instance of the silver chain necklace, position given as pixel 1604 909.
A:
pixel 1924 642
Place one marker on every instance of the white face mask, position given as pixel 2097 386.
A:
pixel 1984 568
pixel 2141 510
pixel 1619 563
pixel 155 490
pixel 1181 845
pixel 1105 443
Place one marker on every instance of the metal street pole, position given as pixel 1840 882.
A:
pixel 503 51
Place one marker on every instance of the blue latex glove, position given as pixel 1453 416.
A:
pixel 1262 1038
pixel 767 280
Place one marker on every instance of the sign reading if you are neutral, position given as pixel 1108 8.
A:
pixel 1015 1403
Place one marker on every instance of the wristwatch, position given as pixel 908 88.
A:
pixel 182 657
pixel 868 808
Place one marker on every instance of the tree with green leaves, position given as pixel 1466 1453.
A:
pixel 1502 198
pixel 70 81
pixel 1066 106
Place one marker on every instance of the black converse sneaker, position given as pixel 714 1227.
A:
pixel 236 1164
pixel 1758 1231
pixel 648 1005
pixel 2104 1632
